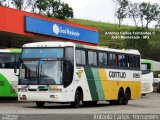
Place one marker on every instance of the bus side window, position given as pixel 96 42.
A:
pixel 112 60
pixel 134 62
pixel 68 67
pixel 92 58
pixel 80 57
pixel 68 73
pixel 102 59
pixel 122 60
pixel 69 53
pixel 131 61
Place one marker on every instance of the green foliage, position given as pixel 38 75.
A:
pixel 149 12
pixel 65 12
pixel 53 8
pixel 50 8
pixel 143 13
pixel 133 13
pixel 59 10
pixel 41 5
pixel 121 12
pixel 140 44
pixel 150 49
pixel 158 21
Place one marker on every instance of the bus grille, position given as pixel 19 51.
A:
pixel 32 89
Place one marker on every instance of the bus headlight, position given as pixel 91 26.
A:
pixel 23 97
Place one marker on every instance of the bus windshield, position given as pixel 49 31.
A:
pixel 42 72
pixel 145 68
pixel 9 60
pixel 46 66
pixel 42 53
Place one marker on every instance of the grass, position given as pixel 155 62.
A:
pixel 105 40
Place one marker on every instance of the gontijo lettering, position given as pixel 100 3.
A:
pixel 113 74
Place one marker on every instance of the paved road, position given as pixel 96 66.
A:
pixel 149 104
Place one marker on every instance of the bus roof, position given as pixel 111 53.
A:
pixel 11 50
pixel 64 44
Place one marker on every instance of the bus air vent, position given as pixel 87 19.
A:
pixel 32 89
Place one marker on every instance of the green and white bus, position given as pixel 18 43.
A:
pixel 146 77
pixel 149 75
pixel 66 72
pixel 8 80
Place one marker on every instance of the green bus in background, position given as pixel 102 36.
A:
pixel 8 80
pixel 150 69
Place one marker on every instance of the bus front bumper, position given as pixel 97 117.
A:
pixel 40 96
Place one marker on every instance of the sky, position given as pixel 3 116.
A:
pixel 98 10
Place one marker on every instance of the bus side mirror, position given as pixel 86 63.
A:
pixel 15 70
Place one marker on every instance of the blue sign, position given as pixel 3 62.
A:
pixel 45 27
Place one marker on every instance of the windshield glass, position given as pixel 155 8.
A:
pixel 41 72
pixel 145 68
pixel 42 53
pixel 9 60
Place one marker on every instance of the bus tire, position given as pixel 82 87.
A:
pixel 40 104
pixel 127 97
pixel 90 103
pixel 158 89
pixel 78 99
pixel 121 97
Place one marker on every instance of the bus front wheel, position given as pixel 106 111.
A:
pixel 40 104
pixel 78 99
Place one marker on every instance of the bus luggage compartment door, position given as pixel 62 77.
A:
pixel 2 91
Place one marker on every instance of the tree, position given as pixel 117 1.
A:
pixel 42 6
pixel 53 8
pixel 33 5
pixel 133 13
pixel 20 4
pixel 59 10
pixel 121 12
pixel 158 19
pixel 148 12
pixel 2 2
pixel 158 24
pixel 65 12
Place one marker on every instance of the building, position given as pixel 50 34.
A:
pixel 20 27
